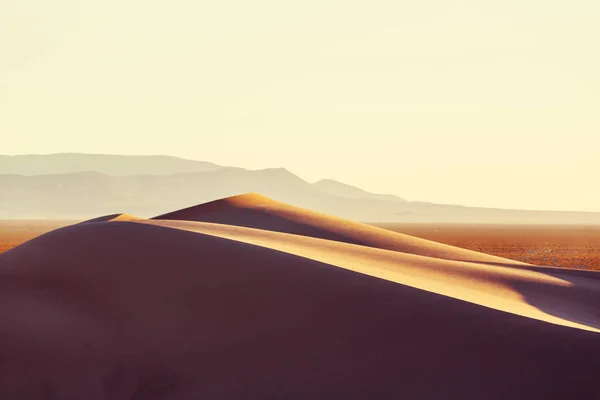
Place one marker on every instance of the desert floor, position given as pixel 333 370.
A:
pixel 567 246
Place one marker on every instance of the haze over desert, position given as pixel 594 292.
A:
pixel 317 199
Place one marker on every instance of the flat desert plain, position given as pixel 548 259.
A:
pixel 249 298
pixel 566 246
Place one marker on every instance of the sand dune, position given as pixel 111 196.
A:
pixel 114 217
pixel 525 291
pixel 255 211
pixel 176 309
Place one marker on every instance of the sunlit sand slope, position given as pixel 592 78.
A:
pixel 256 211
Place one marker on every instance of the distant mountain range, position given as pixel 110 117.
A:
pixel 80 186
pixel 117 165
pixel 343 190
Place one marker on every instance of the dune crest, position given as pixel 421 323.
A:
pixel 253 210
pixel 241 201
pixel 114 217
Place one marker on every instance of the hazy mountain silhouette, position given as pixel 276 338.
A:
pixel 336 188
pixel 25 193
pixel 118 165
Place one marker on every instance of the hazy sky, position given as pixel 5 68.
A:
pixel 474 102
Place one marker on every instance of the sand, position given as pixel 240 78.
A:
pixel 247 298
pixel 255 211
pixel 114 217
pixel 566 246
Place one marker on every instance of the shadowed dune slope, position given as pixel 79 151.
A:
pixel 256 211
pixel 180 310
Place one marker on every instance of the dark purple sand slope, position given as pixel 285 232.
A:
pixel 124 310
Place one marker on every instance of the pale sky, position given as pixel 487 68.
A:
pixel 473 102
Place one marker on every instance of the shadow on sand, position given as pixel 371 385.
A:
pixel 581 294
